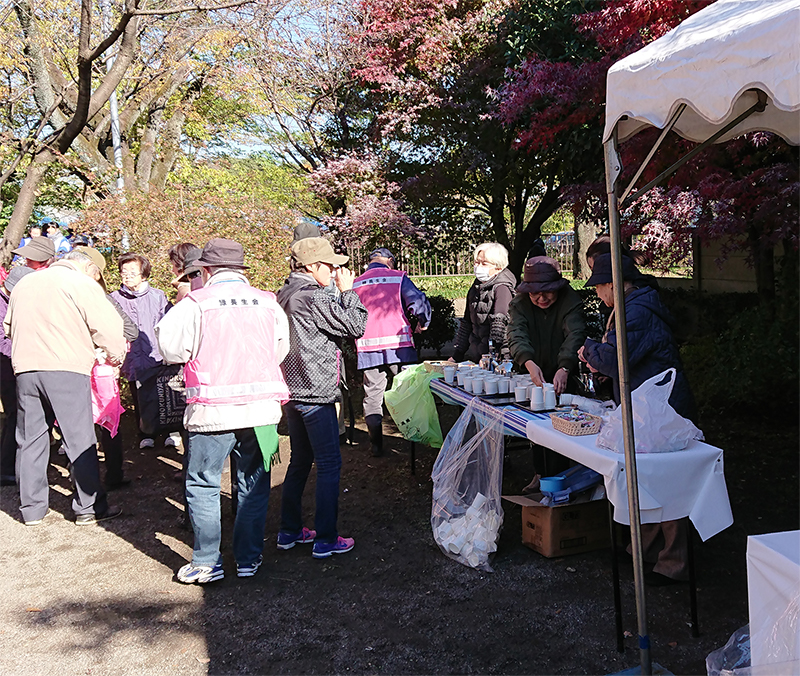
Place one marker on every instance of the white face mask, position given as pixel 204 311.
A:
pixel 483 273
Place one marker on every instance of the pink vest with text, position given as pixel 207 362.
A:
pixel 235 362
pixel 387 325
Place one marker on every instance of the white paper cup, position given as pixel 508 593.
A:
pixel 503 385
pixel 520 393
pixel 537 396
pixel 490 384
pixel 449 374
pixel 549 398
pixel 460 375
pixel 468 383
pixel 479 501
pixel 566 399
pixel 477 386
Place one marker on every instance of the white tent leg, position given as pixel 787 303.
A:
pixel 613 170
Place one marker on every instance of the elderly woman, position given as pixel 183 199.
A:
pixel 651 346
pixel 145 305
pixel 546 326
pixel 651 350
pixel 486 313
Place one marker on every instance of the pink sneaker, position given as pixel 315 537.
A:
pixel 323 550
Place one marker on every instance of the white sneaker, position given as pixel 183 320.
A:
pixel 172 441
pixel 147 442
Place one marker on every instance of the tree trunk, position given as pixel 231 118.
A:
pixel 584 236
pixel 24 205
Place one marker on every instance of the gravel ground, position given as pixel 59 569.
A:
pixel 103 599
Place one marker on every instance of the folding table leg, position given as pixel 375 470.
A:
pixel 692 580
pixel 615 577
pixel 413 458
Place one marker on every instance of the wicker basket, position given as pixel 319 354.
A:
pixel 437 366
pixel 576 428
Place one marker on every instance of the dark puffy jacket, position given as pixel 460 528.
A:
pixel 318 321
pixel 145 309
pixel 485 317
pixel 651 349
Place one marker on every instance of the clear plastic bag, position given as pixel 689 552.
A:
pixel 733 659
pixel 657 427
pixel 467 476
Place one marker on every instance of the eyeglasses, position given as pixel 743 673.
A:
pixel 541 294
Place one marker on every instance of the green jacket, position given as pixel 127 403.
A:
pixel 551 338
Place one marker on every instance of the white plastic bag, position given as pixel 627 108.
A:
pixel 466 516
pixel 657 428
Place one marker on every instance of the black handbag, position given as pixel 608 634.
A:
pixel 162 399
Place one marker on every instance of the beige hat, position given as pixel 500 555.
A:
pixel 97 258
pixel 316 250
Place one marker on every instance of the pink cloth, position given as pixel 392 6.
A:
pixel 106 404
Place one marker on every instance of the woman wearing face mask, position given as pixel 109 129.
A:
pixel 546 326
pixel 486 314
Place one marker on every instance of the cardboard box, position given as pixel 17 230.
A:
pixel 572 528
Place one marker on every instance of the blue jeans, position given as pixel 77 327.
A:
pixel 207 454
pixel 314 437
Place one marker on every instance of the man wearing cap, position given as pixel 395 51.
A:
pixel 232 338
pixel 53 345
pixel 318 321
pixel 8 385
pixel 396 309
pixel 546 326
pixel 38 253
pixel 111 445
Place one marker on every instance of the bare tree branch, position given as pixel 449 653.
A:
pixel 191 8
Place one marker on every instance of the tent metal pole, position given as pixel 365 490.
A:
pixel 757 107
pixel 613 170
pixel 673 120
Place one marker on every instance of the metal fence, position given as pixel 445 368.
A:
pixel 561 246
pixel 558 245
pixel 420 264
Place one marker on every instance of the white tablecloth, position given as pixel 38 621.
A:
pixel 773 589
pixel 671 485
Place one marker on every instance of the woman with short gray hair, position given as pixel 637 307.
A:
pixel 486 313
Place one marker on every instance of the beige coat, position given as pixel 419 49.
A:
pixel 56 317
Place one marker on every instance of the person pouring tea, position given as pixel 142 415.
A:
pixel 546 326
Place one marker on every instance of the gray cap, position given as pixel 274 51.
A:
pixel 38 249
pixel 15 275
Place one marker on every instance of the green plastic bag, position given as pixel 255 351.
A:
pixel 412 407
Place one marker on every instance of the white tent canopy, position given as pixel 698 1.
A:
pixel 709 62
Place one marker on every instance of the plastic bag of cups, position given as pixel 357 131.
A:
pixel 471 537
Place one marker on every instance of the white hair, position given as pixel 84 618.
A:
pixel 494 253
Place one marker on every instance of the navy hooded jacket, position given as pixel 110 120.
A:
pixel 651 349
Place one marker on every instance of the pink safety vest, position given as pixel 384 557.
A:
pixel 387 325
pixel 235 362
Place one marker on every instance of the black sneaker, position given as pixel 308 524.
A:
pixel 89 519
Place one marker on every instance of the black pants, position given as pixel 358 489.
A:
pixel 112 449
pixel 8 437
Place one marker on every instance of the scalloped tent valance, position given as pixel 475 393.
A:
pixel 712 62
